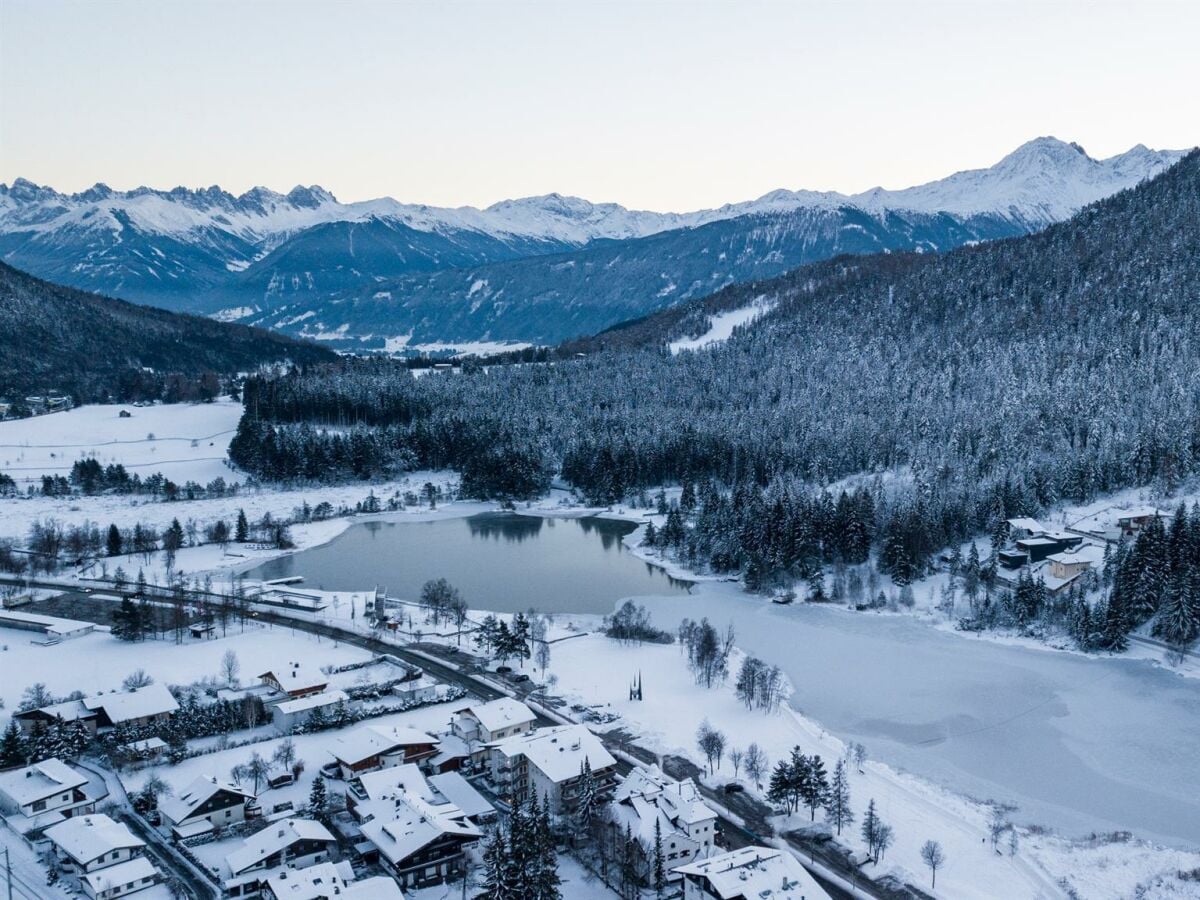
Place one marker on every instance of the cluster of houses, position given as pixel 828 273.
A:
pixel 1058 557
pixel 39 404
pixel 410 811
pixel 52 805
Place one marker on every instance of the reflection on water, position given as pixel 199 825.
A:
pixel 500 561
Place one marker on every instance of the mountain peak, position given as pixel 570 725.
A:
pixel 309 197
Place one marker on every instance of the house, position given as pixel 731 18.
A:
pixel 417 690
pixel 120 880
pixel 68 711
pixel 43 794
pixel 295 843
pixel 53 627
pixel 295 679
pixel 1131 521
pixel 442 791
pixel 419 841
pixel 151 749
pixel 150 705
pixel 1024 527
pixel 375 747
pixel 1039 548
pixel 549 762
pixel 327 881
pixel 204 805
pixel 647 803
pixel 751 873
pixel 494 721
pixel 291 713
pixel 1012 559
pixel 1069 564
pixel 104 856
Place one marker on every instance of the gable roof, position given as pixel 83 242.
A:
pixel 559 752
pixel 85 838
pixel 680 801
pixel 1026 523
pixel 312 701
pixel 68 710
pixel 373 740
pixel 131 871
pixel 296 676
pixel 152 700
pixel 327 880
pixel 462 794
pixel 501 713
pixel 180 808
pixel 406 824
pixel 278 836
pixel 40 781
pixel 756 872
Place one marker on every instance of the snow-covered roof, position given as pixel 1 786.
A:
pixel 152 700
pixel 559 752
pixel 460 792
pixel 131 871
pixel 296 676
pixel 68 710
pixel 85 838
pixel 179 808
pixel 373 740
pixel 149 745
pixel 501 713
pixel 1026 524
pixel 40 780
pixel 313 701
pixel 406 824
pixel 51 624
pixel 756 873
pixel 680 801
pixel 388 783
pixel 276 837
pixel 1141 512
pixel 327 880
pixel 1088 554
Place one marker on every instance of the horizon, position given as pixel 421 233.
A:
pixel 596 202
pixel 657 107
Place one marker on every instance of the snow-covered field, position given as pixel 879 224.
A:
pixel 722 325
pixel 99 662
pixel 183 441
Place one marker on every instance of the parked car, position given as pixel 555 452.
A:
pixel 522 677
pixel 734 788
pixel 503 670
pixel 331 770
pixel 281 780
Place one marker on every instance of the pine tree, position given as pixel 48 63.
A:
pixel 241 532
pixel 12 747
pixel 585 805
pixel 870 827
pixel 495 867
pixel 813 784
pixel 546 883
pixel 838 808
pixel 112 545
pixel 1178 620
pixel 659 871
pixel 318 799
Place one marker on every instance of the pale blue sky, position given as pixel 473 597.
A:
pixel 668 106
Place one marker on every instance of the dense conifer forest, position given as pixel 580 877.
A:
pixel 989 382
pixel 99 349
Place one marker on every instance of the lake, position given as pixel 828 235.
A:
pixel 504 562
pixel 1078 743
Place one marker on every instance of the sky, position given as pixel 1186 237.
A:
pixel 655 105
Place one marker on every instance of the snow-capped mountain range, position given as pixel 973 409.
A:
pixel 262 254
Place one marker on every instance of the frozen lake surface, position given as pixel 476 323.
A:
pixel 1078 744
pixel 500 561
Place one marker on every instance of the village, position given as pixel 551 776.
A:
pixel 330 771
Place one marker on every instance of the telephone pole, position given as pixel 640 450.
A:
pixel 8 873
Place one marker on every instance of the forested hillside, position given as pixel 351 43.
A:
pixel 993 380
pixel 93 347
